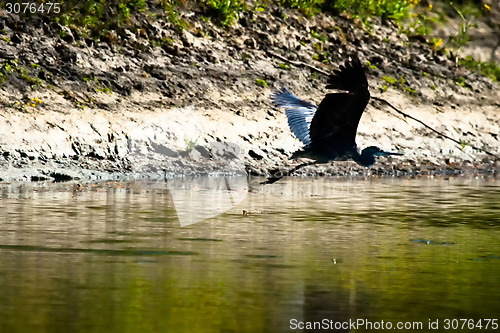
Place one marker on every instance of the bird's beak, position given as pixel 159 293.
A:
pixel 388 153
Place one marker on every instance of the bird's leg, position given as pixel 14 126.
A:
pixel 276 174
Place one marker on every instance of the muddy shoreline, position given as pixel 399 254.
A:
pixel 200 104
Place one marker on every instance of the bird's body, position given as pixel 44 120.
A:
pixel 328 131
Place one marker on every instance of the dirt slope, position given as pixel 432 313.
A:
pixel 87 109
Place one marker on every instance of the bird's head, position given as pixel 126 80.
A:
pixel 368 155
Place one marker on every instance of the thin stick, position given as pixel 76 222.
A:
pixel 427 126
pixel 297 63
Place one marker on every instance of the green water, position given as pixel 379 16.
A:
pixel 111 257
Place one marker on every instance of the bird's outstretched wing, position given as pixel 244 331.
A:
pixel 350 77
pixel 299 113
pixel 336 121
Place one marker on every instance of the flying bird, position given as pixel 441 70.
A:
pixel 328 131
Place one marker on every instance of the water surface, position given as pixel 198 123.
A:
pixel 112 257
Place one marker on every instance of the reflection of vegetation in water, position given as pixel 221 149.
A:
pixel 427 247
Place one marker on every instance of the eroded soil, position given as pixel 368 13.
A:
pixel 87 109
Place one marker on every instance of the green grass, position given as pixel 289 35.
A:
pixel 308 7
pixel 386 9
pixel 370 65
pixel 461 81
pixel 103 20
pixel 390 80
pixel 396 10
pixel 284 66
pixel 190 143
pixel 402 84
pixel 488 69
pixel 11 67
pixel 225 11
pixel 261 83
pixel 95 17
pixel 319 36
pixel 171 8
pixel 7 68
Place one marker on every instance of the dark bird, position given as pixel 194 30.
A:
pixel 329 130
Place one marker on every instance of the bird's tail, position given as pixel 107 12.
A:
pixel 350 76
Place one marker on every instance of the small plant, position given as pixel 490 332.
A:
pixel 245 57
pixel 308 7
pixel 419 24
pixel 370 65
pixel 33 81
pixel 36 100
pixel 284 66
pixel 6 68
pixel 462 37
pixel 261 83
pixel 322 57
pixel 99 87
pixel 22 107
pixel 488 69
pixel 26 107
pixel 396 10
pixel 390 80
pixel 95 18
pixel 460 81
pixel 401 84
pixel 10 67
pixel 227 11
pixel 259 6
pixel 190 144
pixel 437 45
pixel 409 90
pixel 173 16
pixel 318 46
pixel 104 90
pixel 319 36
